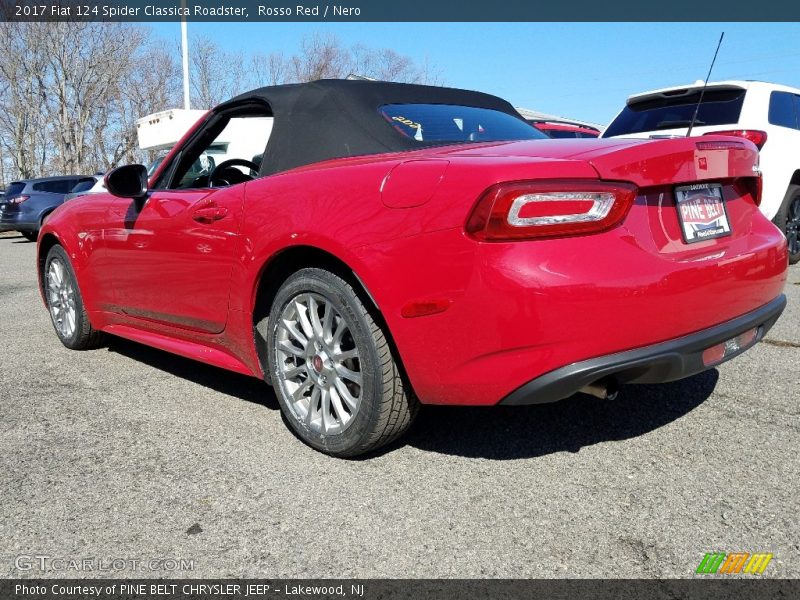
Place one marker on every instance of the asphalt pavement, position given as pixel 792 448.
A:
pixel 178 469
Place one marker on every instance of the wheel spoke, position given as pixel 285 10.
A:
pixel 299 393
pixel 313 310
pixel 312 405
pixel 287 346
pixel 341 327
pixel 343 415
pixel 347 354
pixel 345 395
pixel 294 372
pixel 327 322
pixel 302 316
pixel 295 333
pixel 325 409
pixel 346 373
pixel 70 322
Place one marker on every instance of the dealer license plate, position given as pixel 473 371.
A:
pixel 701 211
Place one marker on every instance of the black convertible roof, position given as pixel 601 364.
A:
pixel 335 118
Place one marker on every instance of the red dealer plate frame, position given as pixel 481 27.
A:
pixel 702 212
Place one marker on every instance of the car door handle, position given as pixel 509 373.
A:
pixel 209 214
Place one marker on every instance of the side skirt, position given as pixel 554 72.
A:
pixel 187 349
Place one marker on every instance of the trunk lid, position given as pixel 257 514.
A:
pixel 659 168
pixel 717 177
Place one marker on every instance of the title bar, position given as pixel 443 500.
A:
pixel 392 10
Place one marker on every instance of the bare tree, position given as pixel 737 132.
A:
pixel 71 92
pixel 269 69
pixel 139 92
pixel 22 94
pixel 216 74
pixel 324 56
pixel 320 57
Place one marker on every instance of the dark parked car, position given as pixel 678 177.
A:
pixel 28 202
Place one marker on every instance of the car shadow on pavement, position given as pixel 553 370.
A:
pixel 502 433
pixel 496 433
pixel 220 380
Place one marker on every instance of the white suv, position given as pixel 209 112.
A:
pixel 767 114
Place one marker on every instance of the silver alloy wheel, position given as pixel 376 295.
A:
pixel 61 298
pixel 319 364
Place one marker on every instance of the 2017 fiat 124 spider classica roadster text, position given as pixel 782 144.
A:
pixel 372 246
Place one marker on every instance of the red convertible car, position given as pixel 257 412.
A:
pixel 372 246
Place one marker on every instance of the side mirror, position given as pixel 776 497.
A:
pixel 127 181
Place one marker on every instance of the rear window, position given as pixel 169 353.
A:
pixel 447 123
pixel 782 107
pixel 14 189
pixel 57 186
pixel 719 107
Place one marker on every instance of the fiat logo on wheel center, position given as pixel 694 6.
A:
pixel 316 362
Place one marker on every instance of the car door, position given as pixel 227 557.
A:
pixel 174 250
pixel 173 254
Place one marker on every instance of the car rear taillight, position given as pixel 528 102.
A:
pixel 537 209
pixel 17 199
pixel 754 135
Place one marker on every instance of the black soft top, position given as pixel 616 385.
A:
pixel 335 118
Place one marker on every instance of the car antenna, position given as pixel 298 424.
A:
pixel 703 89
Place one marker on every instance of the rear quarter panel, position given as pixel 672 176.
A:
pixel 338 208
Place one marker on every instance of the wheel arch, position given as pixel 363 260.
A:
pixel 281 266
pixel 46 242
pixel 44 214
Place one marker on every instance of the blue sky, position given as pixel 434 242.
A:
pixel 579 70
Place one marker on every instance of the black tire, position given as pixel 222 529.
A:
pixel 82 336
pixel 788 221
pixel 386 406
pixel 31 236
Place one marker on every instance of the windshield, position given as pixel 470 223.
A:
pixel 719 107
pixel 447 123
pixel 155 164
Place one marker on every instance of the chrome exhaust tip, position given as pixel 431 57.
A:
pixel 605 389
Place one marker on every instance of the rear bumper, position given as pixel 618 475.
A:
pixel 659 363
pixel 26 227
pixel 17 221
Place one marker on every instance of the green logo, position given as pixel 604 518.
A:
pixel 734 562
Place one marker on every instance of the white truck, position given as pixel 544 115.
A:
pixel 767 114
